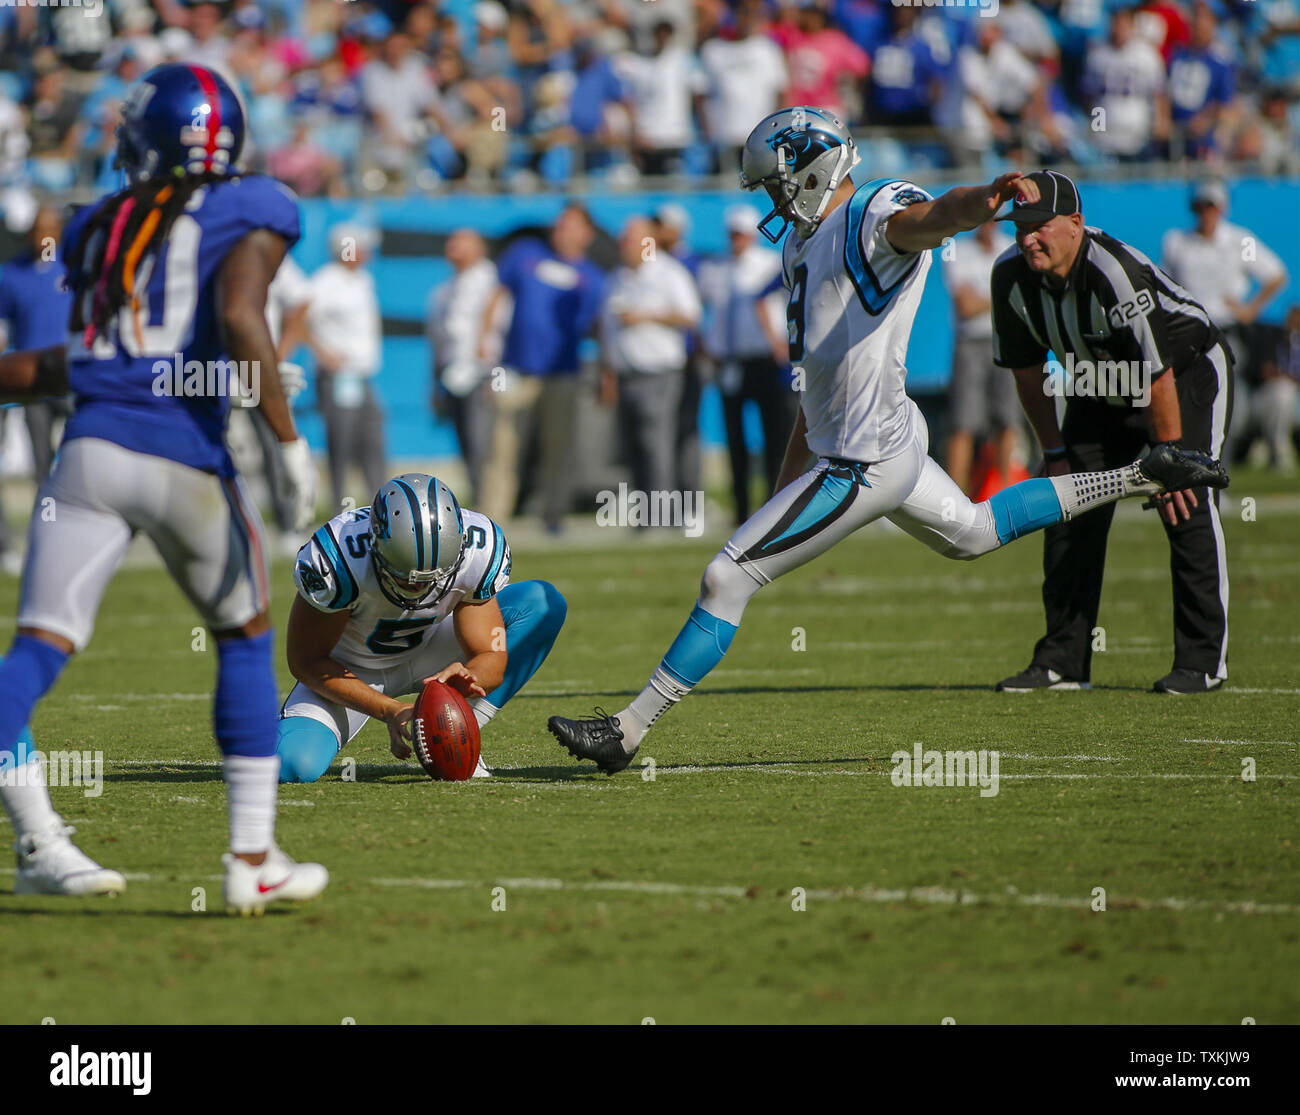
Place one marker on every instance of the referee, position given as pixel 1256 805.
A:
pixel 1148 366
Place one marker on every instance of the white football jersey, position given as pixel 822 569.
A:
pixel 334 573
pixel 853 297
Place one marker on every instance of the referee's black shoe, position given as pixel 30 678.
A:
pixel 1182 682
pixel 1038 677
pixel 1176 469
pixel 597 738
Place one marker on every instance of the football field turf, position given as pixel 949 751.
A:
pixel 768 869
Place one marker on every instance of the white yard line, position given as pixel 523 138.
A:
pixel 1248 742
pixel 935 896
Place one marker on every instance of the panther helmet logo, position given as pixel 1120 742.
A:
pixel 379 520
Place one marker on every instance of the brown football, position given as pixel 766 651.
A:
pixel 444 733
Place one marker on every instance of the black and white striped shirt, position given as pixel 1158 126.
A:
pixel 1115 305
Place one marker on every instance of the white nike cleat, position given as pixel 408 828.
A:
pixel 247 888
pixel 50 863
pixel 481 771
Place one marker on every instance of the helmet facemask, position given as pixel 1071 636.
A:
pixel 414 588
pixel 802 201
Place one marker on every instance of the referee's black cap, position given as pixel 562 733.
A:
pixel 1058 196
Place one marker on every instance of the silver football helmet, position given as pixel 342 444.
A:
pixel 799 156
pixel 417 539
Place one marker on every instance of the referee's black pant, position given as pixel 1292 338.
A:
pixel 1100 436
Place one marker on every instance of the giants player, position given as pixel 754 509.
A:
pixel 171 270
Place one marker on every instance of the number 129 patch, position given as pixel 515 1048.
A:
pixel 1122 313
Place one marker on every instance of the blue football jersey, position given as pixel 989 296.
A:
pixel 124 380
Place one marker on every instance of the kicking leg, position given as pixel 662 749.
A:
pixel 801 521
pixel 939 513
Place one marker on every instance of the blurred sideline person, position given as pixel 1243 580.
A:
pixel 1218 263
pixel 982 398
pixel 135 459
pixel 461 381
pixel 556 292
pixel 1279 393
pixel 410 588
pixel 650 306
pixel 344 334
pixel 672 225
pixel 855 265
pixel 34 308
pixel 749 349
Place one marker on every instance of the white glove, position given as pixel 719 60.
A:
pixel 292 379
pixel 299 480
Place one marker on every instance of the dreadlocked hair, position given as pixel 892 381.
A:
pixel 129 227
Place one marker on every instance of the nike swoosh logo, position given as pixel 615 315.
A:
pixel 262 888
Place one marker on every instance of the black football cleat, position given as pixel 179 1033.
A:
pixel 1182 682
pixel 597 738
pixel 1176 469
pixel 1037 677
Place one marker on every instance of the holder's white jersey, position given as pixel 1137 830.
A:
pixel 853 297
pixel 334 573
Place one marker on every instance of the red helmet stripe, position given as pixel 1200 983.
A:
pixel 209 88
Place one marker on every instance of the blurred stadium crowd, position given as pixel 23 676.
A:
pixel 393 96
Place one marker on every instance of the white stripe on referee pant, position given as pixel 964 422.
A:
pixel 1218 432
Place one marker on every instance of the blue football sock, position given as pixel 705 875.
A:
pixel 1025 507
pixel 247 707
pixel 698 647
pixel 26 675
pixel 534 612
pixel 306 748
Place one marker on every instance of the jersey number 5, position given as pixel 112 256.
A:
pixel 794 312
pixel 396 636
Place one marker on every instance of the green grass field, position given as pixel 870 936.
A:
pixel 674 897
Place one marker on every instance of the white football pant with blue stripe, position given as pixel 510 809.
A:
pixel 830 502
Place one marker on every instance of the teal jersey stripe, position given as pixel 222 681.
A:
pixel 874 297
pixel 494 564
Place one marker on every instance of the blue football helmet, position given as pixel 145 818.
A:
pixel 180 119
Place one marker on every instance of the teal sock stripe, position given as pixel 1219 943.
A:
pixel 698 647
pixel 1024 508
